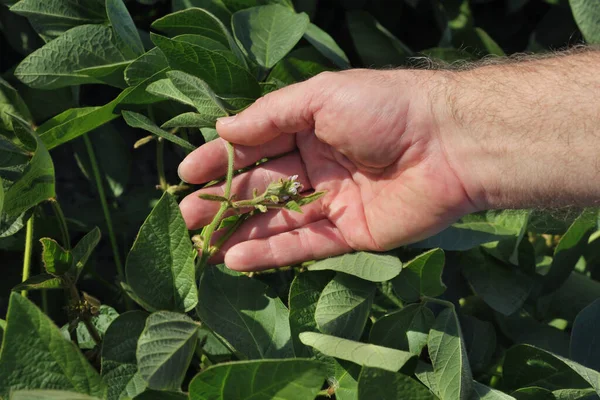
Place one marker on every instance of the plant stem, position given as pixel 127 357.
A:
pixel 62 223
pixel 106 211
pixel 84 317
pixel 230 232
pixel 160 164
pixel 28 251
pixel 210 229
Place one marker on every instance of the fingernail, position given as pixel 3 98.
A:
pixel 179 171
pixel 226 120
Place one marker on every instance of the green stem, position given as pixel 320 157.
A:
pixel 106 211
pixel 230 161
pixel 160 164
pixel 62 223
pixel 28 251
pixel 228 234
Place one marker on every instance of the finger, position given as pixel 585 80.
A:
pixel 209 161
pixel 271 223
pixel 313 241
pixel 198 212
pixel 287 110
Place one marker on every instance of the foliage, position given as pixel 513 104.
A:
pixel 502 305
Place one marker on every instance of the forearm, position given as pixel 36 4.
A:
pixel 525 134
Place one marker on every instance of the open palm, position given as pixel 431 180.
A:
pixel 367 138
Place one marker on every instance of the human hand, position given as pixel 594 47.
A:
pixel 367 138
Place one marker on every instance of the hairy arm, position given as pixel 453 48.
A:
pixel 525 133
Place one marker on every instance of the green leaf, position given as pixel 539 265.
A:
pixel 299 65
pixel 136 120
pixel 303 296
pixel 406 329
pixel 147 68
pixel 587 16
pixel 368 266
pixel 213 346
pixel 215 7
pixel 268 33
pixel 326 46
pixel 344 379
pixel 367 355
pixel 448 354
pixel 41 281
pixel 376 46
pixel 29 331
pixel 83 47
pixel 119 362
pixel 77 121
pixel 83 249
pixel 125 31
pixel 570 249
pixel 165 349
pixel 503 287
pixel 376 383
pixel 51 18
pixel 533 393
pixel 221 70
pixel 585 348
pixel 161 395
pixel 344 306
pixel 189 120
pixel 575 394
pixel 480 341
pixel 194 21
pixel 106 315
pixel 49 395
pixel 36 184
pixel 526 365
pixel 265 379
pixel 165 89
pixel 57 260
pixel 160 266
pixel 11 104
pixel 239 309
pixel 422 276
pixel 482 392
pixel 202 97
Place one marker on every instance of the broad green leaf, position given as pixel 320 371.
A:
pixel 124 28
pixel 326 46
pixel 260 379
pixel 375 45
pixel 165 349
pixel 136 120
pixel 526 365
pixel 424 373
pixel 532 393
pixel 57 261
pixel 36 184
pixel 241 310
pixel 51 18
pixel 193 21
pixel 29 331
pixel 406 329
pixel 303 296
pixel 344 306
pixel 268 33
pixel 119 363
pixel 343 379
pixel 377 383
pixel 77 121
pixel 146 66
pixel 480 341
pixel 209 134
pixel 87 46
pixel 160 266
pixel 585 348
pixel 221 70
pixel 503 287
pixel 106 315
pixel 215 7
pixel 587 16
pixel 41 281
pixel 575 394
pixel 367 355
pixel 482 392
pixel 422 276
pixel 11 104
pixel 165 89
pixel 368 266
pixel 448 354
pixel 569 249
pixel 189 120
pixel 212 346
pixel 83 249
pixel 49 395
pixel 299 65
pixel 200 94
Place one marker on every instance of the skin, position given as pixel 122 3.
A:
pixel 404 153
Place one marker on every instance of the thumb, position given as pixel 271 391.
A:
pixel 287 110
